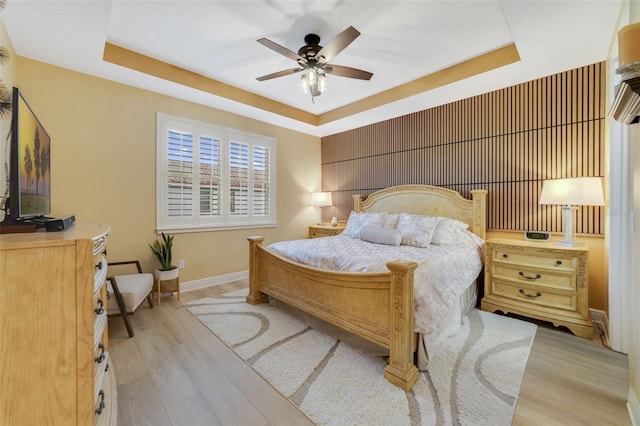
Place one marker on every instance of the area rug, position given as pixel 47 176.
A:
pixel 474 379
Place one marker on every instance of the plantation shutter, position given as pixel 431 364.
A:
pixel 238 179
pixel 261 181
pixel 179 174
pixel 210 177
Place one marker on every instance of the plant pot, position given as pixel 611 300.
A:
pixel 171 274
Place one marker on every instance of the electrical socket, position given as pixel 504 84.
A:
pixel 181 263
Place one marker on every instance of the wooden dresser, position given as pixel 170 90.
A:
pixel 539 280
pixel 54 359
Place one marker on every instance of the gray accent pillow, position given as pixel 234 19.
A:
pixel 387 236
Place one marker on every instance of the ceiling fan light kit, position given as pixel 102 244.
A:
pixel 313 61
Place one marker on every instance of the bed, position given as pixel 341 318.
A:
pixel 376 306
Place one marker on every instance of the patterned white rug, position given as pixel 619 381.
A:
pixel 474 379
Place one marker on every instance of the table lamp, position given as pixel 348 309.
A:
pixel 571 192
pixel 321 199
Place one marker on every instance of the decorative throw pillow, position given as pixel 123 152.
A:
pixel 357 220
pixel 352 229
pixel 417 230
pixel 388 236
pixel 448 231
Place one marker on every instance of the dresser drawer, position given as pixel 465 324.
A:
pixel 100 393
pixel 537 276
pixel 533 295
pixel 556 262
pixel 108 398
pixel 100 355
pixel 325 231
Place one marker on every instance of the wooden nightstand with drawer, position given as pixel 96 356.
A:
pixel 317 231
pixel 539 280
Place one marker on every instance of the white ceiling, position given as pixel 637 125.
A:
pixel 400 41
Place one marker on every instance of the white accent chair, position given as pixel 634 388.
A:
pixel 130 291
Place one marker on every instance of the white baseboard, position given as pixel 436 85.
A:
pixel 633 406
pixel 211 281
pixel 601 322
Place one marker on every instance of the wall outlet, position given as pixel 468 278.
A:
pixel 181 263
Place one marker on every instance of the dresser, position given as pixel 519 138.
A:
pixel 317 231
pixel 539 280
pixel 54 359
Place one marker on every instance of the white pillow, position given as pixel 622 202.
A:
pixel 448 231
pixel 387 236
pixel 357 220
pixel 352 229
pixel 417 230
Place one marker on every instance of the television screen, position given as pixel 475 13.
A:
pixel 31 150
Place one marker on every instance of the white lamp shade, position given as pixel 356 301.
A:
pixel 321 199
pixel 580 191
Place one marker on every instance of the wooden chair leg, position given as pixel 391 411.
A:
pixel 150 300
pixel 121 306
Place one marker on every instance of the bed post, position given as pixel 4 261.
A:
pixel 479 197
pixel 401 370
pixel 357 201
pixel 255 296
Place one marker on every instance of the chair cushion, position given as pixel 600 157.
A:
pixel 134 289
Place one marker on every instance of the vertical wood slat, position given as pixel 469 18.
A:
pixel 507 141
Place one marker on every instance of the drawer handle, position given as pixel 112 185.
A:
pixel 100 309
pixel 101 406
pixel 100 358
pixel 558 262
pixel 530 296
pixel 505 255
pixel 99 265
pixel 527 277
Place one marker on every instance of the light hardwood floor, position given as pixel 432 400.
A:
pixel 175 372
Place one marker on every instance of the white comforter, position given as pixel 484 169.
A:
pixel 444 271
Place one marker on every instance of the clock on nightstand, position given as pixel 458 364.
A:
pixel 328 230
pixel 539 280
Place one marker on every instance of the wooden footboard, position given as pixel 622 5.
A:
pixel 375 306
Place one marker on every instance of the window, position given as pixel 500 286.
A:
pixel 212 177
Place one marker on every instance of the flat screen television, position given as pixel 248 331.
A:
pixel 30 161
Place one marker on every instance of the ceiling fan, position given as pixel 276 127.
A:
pixel 314 59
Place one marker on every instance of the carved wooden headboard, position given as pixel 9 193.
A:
pixel 429 201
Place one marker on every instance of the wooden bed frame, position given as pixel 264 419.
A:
pixel 375 306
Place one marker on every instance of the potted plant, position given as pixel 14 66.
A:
pixel 162 250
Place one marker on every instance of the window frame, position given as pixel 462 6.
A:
pixel 226 136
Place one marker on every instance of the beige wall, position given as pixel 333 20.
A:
pixel 103 167
pixel 7 77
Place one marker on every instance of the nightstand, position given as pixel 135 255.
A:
pixel 316 231
pixel 539 280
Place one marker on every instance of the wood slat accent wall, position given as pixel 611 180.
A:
pixel 507 142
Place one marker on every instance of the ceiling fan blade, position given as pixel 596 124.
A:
pixel 342 71
pixel 279 74
pixel 281 50
pixel 338 44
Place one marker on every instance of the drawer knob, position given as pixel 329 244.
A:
pixel 100 358
pixel 558 262
pixel 100 407
pixel 527 277
pixel 505 255
pixel 100 309
pixel 99 265
pixel 530 296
